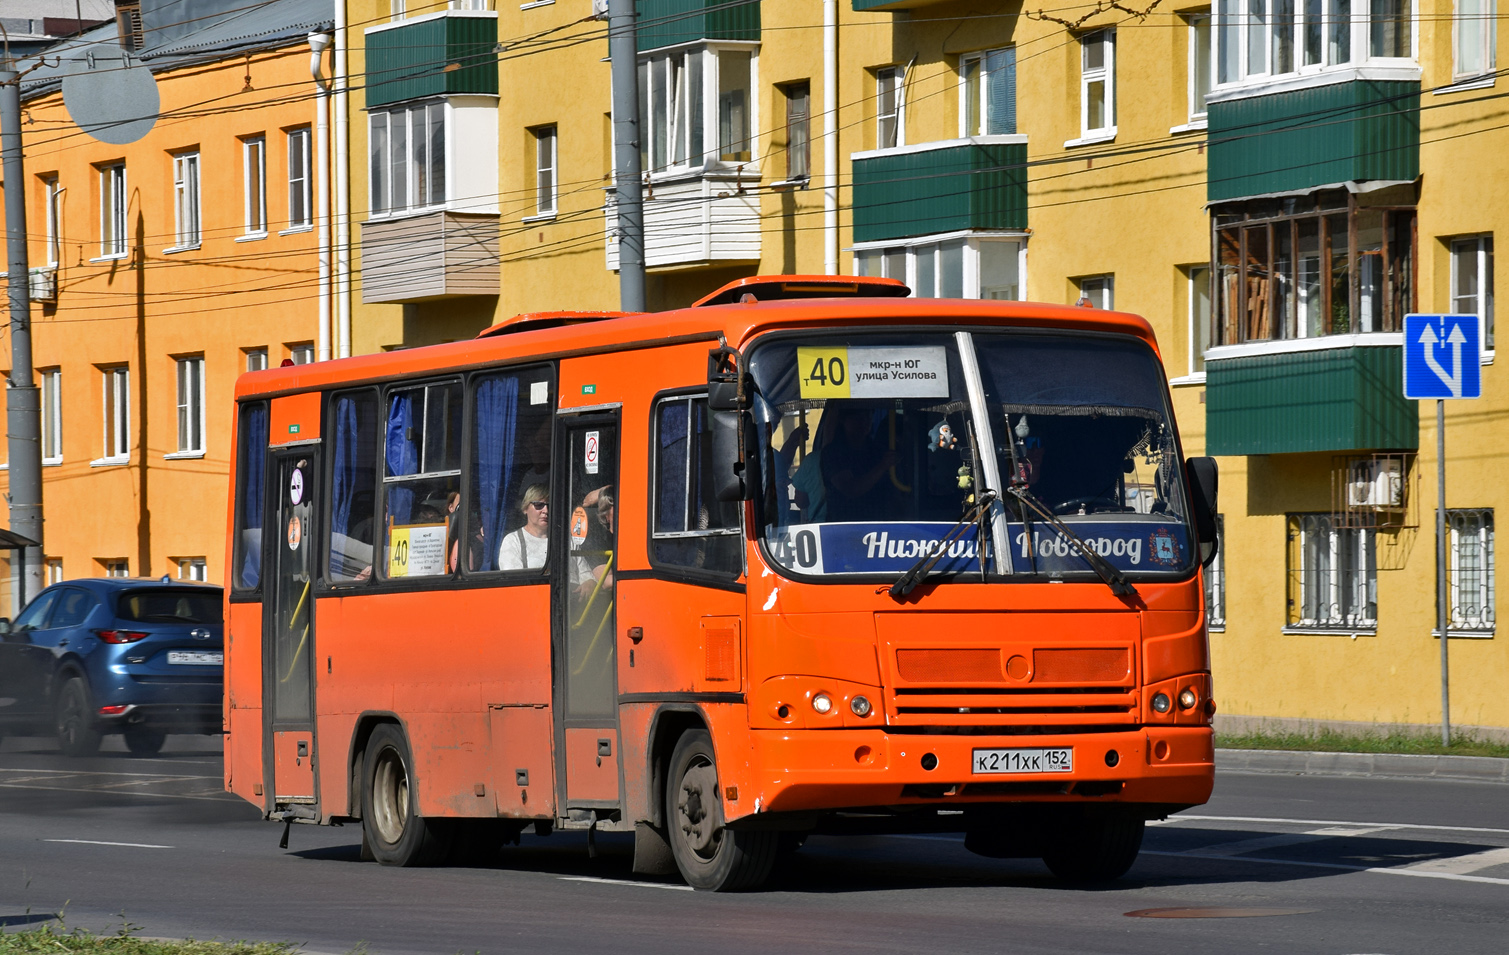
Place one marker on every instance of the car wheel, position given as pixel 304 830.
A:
pixel 77 735
pixel 144 740
pixel 710 855
pixel 395 832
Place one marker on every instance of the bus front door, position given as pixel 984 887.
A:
pixel 585 529
pixel 288 633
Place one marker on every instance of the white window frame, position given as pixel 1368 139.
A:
pixel 1106 73
pixel 386 206
pixel 1487 39
pixel 254 191
pixel 1195 326
pixel 546 171
pixel 883 254
pixel 52 571
pixel 115 411
pixel 1099 289
pixel 190 380
pixel 1470 529
pixel 1236 20
pixel 193 568
pixel 1478 248
pixel 256 359
pixel 300 191
pixel 301 353
pixel 51 395
pixel 798 119
pixel 892 80
pixel 1198 107
pixel 113 202
pixel 1215 582
pixel 53 196
pixel 973 73
pixel 1321 598
pixel 186 207
pixel 698 64
pixel 116 568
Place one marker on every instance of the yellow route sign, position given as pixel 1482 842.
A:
pixel 823 372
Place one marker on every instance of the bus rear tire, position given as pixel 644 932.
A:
pixel 391 824
pixel 711 857
pixel 1095 848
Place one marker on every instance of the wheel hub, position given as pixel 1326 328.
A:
pixel 695 804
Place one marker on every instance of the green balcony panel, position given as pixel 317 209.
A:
pixel 1336 399
pixel 434 57
pixel 1300 139
pixel 670 22
pixel 971 185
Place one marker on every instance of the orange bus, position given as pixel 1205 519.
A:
pixel 808 556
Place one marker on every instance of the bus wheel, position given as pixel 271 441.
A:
pixel 395 832
pixel 709 855
pixel 1097 848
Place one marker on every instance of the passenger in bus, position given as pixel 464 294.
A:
pixel 528 547
pixel 592 566
pixel 808 479
pixel 853 465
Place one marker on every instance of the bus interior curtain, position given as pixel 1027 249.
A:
pixel 671 511
pixel 401 454
pixel 497 433
pixel 256 463
pixel 343 478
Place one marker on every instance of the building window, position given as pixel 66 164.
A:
pixel 1098 291
pixel 52 415
pixel 1469 570
pixel 1474 37
pixel 890 108
pixel 1333 575
pixel 407 158
pixel 1215 581
pixel 1097 84
pixel 53 195
pixel 191 405
pixel 982 267
pixel 117 415
pixel 676 113
pixel 1200 65
pixel 1472 281
pixel 987 85
pixel 545 171
pixel 115 566
pixel 254 162
pixel 1267 38
pixel 113 209
pixel 301 353
pixel 52 571
pixel 1199 317
pixel 798 132
pixel 1390 34
pixel 186 199
pixel 1286 268
pixel 300 207
pixel 256 359
pixel 192 568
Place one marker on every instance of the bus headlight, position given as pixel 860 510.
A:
pixel 823 703
pixel 860 705
pixel 1188 698
pixel 1161 702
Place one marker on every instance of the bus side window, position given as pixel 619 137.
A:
pixel 422 479
pixel 511 432
pixel 353 484
pixel 251 465
pixel 693 531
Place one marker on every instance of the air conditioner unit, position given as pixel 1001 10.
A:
pixel 1378 483
pixel 43 284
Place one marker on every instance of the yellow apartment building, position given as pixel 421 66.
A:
pixel 161 270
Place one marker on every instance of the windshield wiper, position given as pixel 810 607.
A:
pixel 1114 578
pixel 919 571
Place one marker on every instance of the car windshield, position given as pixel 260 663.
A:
pixel 170 606
pixel 874 444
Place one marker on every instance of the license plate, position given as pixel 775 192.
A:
pixel 210 658
pixel 1055 759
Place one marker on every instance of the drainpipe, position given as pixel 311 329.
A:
pixel 830 137
pixel 317 44
pixel 342 191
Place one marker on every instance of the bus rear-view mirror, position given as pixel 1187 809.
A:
pixel 1204 482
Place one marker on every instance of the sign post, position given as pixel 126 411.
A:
pixel 1441 361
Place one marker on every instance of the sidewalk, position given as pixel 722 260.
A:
pixel 1395 765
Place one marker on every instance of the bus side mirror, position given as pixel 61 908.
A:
pixel 727 400
pixel 1204 482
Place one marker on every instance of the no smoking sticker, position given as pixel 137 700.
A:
pixel 590 452
pixel 296 487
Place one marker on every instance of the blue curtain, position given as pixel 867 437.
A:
pixel 497 434
pixel 670 514
pixel 344 478
pixel 254 466
pixel 401 454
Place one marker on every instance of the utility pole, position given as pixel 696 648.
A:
pixel 623 50
pixel 21 404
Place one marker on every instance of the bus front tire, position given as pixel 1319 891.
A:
pixel 391 824
pixel 711 857
pixel 1097 848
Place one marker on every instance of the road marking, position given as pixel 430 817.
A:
pixel 1182 817
pixel 1462 865
pixel 1348 831
pixel 1452 876
pixel 96 842
pixel 642 885
pixel 81 772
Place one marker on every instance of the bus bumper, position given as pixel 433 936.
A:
pixel 814 770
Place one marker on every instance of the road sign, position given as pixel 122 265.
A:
pixel 1441 356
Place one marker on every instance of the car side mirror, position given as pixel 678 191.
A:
pixel 4 625
pixel 1204 483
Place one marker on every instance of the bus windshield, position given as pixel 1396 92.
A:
pixel 874 444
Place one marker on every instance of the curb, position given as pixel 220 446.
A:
pixel 1484 769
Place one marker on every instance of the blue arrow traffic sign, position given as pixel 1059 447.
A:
pixel 1442 356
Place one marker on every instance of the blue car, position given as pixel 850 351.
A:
pixel 133 656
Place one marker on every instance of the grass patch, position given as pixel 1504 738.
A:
pixel 51 939
pixel 1332 742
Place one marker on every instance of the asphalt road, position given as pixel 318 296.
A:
pixel 1283 864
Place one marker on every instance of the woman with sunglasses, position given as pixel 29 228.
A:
pixel 527 547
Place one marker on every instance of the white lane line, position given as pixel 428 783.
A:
pixel 642 885
pixel 1183 817
pixel 1452 876
pixel 1347 831
pixel 96 842
pixel 1461 865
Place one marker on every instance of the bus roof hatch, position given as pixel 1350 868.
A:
pixel 770 288
pixel 529 321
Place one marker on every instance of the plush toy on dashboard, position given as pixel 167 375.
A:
pixel 941 437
